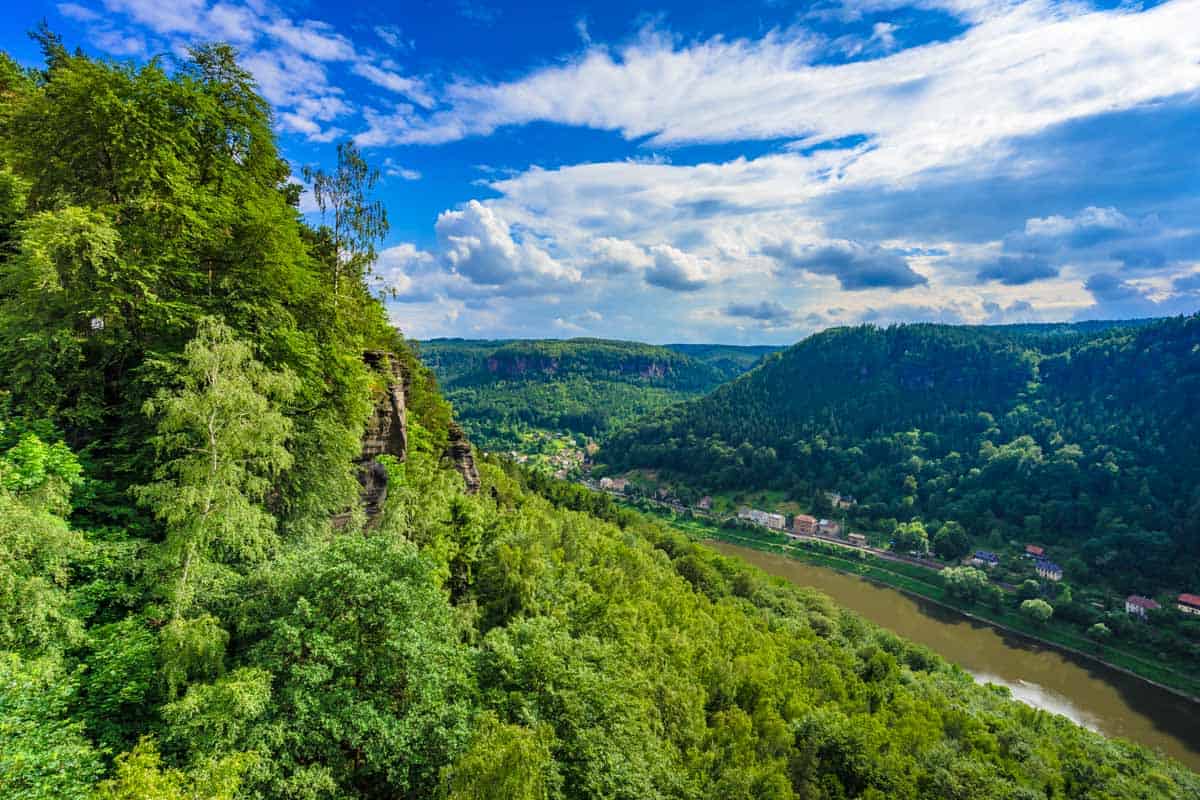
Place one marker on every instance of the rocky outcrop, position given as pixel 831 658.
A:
pixel 458 450
pixel 386 432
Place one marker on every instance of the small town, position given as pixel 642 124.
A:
pixel 805 526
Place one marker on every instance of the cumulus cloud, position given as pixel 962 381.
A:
pixel 395 270
pixel 612 256
pixel 764 311
pixel 1089 227
pixel 856 266
pixel 676 270
pixel 1017 270
pixel 480 246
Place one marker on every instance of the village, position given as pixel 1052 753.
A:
pixel 805 526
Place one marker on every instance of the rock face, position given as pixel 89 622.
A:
pixel 386 432
pixel 459 452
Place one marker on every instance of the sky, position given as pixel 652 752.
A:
pixel 745 172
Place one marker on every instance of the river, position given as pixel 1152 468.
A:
pixel 1100 698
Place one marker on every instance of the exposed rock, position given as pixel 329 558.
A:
pixel 386 432
pixel 459 452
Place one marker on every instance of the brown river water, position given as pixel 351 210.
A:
pixel 1100 698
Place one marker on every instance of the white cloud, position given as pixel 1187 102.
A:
pixel 77 12
pixel 394 82
pixel 394 170
pixel 395 269
pixel 479 245
pixel 288 57
pixel 393 37
pixel 676 270
pixel 616 256
pixel 1090 218
pixel 1022 68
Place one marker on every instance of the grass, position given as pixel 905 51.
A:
pixel 924 583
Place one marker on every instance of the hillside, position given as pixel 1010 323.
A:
pixel 504 391
pixel 1083 438
pixel 245 552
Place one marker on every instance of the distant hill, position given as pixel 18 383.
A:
pixel 586 386
pixel 1082 435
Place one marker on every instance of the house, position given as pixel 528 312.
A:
pixel 1137 605
pixel 840 500
pixel 614 484
pixel 828 527
pixel 1035 551
pixel 804 524
pixel 1188 603
pixel 752 515
pixel 705 503
pixel 857 539
pixel 775 521
pixel 1048 570
pixel 985 558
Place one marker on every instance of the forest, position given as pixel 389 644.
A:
pixel 1079 438
pixel 194 604
pixel 586 387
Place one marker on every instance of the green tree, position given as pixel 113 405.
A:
pixel 911 536
pixel 1037 610
pixel 968 583
pixel 353 221
pixel 221 440
pixel 44 754
pixel 504 762
pixel 950 541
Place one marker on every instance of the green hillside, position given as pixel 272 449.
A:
pixel 505 392
pixel 1081 438
pixel 195 606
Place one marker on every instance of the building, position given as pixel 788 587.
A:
pixel 1138 606
pixel 614 484
pixel 804 524
pixel 705 503
pixel 1035 551
pixel 766 518
pixel 985 558
pixel 857 539
pixel 1048 570
pixel 1188 603
pixel 840 500
pixel 828 527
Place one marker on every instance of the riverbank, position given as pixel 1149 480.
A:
pixel 924 584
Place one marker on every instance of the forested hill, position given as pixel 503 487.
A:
pixel 195 605
pixel 1085 437
pixel 586 386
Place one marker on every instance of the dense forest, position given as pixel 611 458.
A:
pixel 1078 437
pixel 581 386
pixel 187 610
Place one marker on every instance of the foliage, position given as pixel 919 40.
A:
pixel 1037 610
pixel 222 638
pixel 586 386
pixel 1079 438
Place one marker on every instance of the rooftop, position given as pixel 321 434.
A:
pixel 1190 599
pixel 1142 602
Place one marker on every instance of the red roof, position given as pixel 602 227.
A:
pixel 1143 602
pixel 1034 550
pixel 1190 599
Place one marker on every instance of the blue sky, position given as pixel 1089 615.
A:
pixel 739 172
